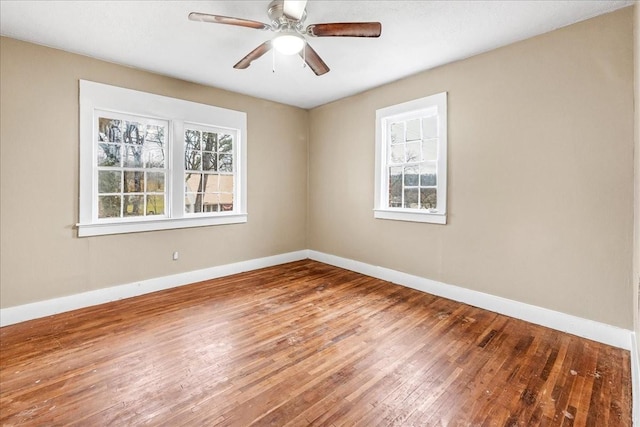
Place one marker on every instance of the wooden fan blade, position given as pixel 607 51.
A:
pixel 218 19
pixel 253 55
pixel 346 29
pixel 294 9
pixel 314 61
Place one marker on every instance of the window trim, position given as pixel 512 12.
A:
pixel 381 198
pixel 97 96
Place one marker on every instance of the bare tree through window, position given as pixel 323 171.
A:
pixel 131 162
pixel 209 167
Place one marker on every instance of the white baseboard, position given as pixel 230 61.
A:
pixel 21 313
pixel 601 332
pixel 586 328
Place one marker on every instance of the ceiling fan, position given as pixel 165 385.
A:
pixel 287 21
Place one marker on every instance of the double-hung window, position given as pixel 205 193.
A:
pixel 208 168
pixel 411 161
pixel 149 162
pixel 131 166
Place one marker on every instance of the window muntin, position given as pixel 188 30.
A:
pixel 412 164
pixel 411 161
pixel 132 162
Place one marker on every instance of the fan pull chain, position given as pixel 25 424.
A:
pixel 273 61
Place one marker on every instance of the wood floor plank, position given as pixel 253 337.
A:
pixel 304 344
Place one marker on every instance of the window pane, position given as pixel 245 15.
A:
pixel 154 158
pixel 209 183
pixel 192 182
pixel 210 203
pixel 132 156
pixel 153 148
pixel 428 175
pixel 209 141
pixel 226 202
pixel 411 176
pixel 192 160
pixel 411 198
pixel 198 204
pixel 133 133
pixel 198 182
pixel 413 152
pixel 192 140
pixel 395 187
pixel 413 130
pixel 225 163
pixel 155 205
pixel 397 153
pixel 189 202
pixel 133 205
pixel 397 132
pixel 109 154
pixel 225 143
pixel 430 149
pixel 193 202
pixel 155 182
pixel 430 127
pixel 226 183
pixel 109 206
pixel 109 182
pixel 210 207
pixel 109 130
pixel 428 198
pixel 154 135
pixel 208 161
pixel 133 182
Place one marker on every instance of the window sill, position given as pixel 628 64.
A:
pixel 397 215
pixel 101 229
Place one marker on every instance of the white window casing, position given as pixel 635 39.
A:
pixel 100 100
pixel 411 159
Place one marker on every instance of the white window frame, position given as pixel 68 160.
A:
pixel 209 128
pixel 100 97
pixel 427 106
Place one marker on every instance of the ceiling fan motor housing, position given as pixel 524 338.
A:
pixel 280 21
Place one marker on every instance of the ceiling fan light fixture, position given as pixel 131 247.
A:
pixel 288 44
pixel 287 22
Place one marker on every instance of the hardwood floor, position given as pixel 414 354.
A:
pixel 304 344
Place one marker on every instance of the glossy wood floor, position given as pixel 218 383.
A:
pixel 304 344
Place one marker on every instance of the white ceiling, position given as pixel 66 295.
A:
pixel 416 36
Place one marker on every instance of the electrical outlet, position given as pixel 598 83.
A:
pixel 175 256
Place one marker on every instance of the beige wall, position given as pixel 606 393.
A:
pixel 540 174
pixel 41 256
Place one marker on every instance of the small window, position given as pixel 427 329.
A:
pixel 411 161
pixel 149 162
